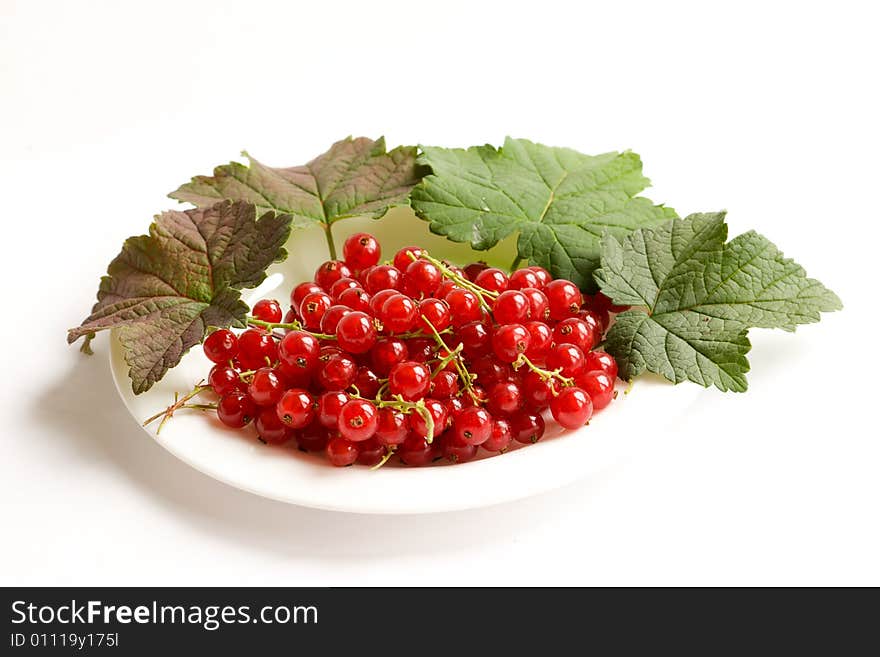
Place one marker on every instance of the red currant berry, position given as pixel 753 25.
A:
pixel 537 391
pixel 571 408
pixel 505 398
pixel 355 332
pixel 445 288
pixel 341 452
pixel 599 360
pixel 341 286
pixel 236 409
pixel 567 358
pixel 599 386
pixel 575 331
pixel 527 427
pixel 475 339
pixel 453 406
pixel 543 275
pixel 489 371
pixel 382 277
pixel 313 438
pixel 256 349
pixel 330 272
pixel 511 307
pixel 266 387
pixel 522 279
pixel 387 353
pixel 329 405
pixel 472 270
pixel 267 310
pixel 509 341
pixel 456 451
pixel 301 291
pixel 223 380
pixel 361 250
pixel 270 429
pixel 370 452
pixel 444 385
pixel 464 306
pixel 312 309
pixel 358 420
pixel 564 297
pixel 598 318
pixel 410 380
pixel 337 373
pixel 367 382
pixel 434 311
pixel 437 411
pixel 540 340
pixel 539 306
pixel 399 314
pixel 330 319
pixel 378 300
pixel 501 436
pixel 492 279
pixel 402 258
pixel 356 298
pixel 417 451
pixel 420 349
pixel 422 278
pixel 221 346
pixel 296 408
pixel 299 350
pixel 472 425
pixel 392 427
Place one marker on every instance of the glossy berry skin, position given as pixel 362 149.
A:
pixel 392 427
pixel 444 385
pixel 501 436
pixel 599 387
pixel 341 452
pixel 223 380
pixel 437 410
pixel 221 346
pixel 475 339
pixel 267 310
pixel 571 408
pixel 464 306
pixel 387 353
pixel 313 438
pixel 256 349
pixel 399 314
pixel 540 341
pixel 564 297
pixel 355 333
pixel 511 307
pixel 383 277
pixel 490 371
pixel 236 409
pixel 361 250
pixel 296 408
pixel 301 291
pixel 505 398
pixel 522 279
pixel 420 349
pixel 270 429
pixel 567 358
pixel 330 319
pixel 410 380
pixel 435 311
pixel 539 305
pixel 492 279
pixel 329 405
pixel 537 392
pixel 575 331
pixel 356 298
pixel 370 452
pixel 266 387
pixel 543 275
pixel 367 382
pixel 599 360
pixel 402 259
pixel 341 286
pixel 358 420
pixel 456 451
pixel 472 425
pixel 299 350
pixel 453 407
pixel 417 451
pixel 337 373
pixel 445 288
pixel 527 428
pixel 509 341
pixel 472 270
pixel 422 278
pixel 312 309
pixel 330 272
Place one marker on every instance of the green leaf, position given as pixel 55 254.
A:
pixel 356 177
pixel 164 289
pixel 697 296
pixel 559 202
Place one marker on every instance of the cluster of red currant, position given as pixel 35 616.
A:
pixel 415 357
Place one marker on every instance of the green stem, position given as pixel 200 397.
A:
pixel 547 375
pixel 328 231
pixel 516 261
pixel 389 452
pixel 292 326
pixel 482 293
pixel 179 402
pixel 465 376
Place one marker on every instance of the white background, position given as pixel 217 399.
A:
pixel 767 109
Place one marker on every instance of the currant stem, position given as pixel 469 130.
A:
pixel 458 279
pixel 291 326
pixel 328 231
pixel 455 356
pixel 179 402
pixel 86 346
pixel 516 261
pixel 389 452
pixel 406 407
pixel 547 375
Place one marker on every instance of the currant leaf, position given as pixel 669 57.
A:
pixel 559 202
pixel 697 295
pixel 164 289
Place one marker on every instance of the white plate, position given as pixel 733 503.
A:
pixel 286 474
